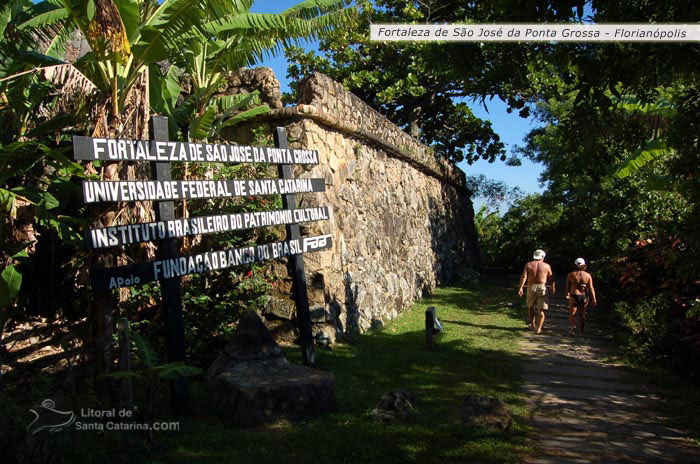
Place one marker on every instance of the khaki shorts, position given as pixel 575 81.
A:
pixel 538 296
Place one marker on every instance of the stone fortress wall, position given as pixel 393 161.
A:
pixel 401 218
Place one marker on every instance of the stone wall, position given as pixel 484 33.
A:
pixel 401 221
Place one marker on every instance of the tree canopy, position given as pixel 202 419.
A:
pixel 424 87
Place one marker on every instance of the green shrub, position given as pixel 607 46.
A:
pixel 660 332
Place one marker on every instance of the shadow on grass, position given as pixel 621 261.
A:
pixel 475 355
pixel 471 358
pixel 364 371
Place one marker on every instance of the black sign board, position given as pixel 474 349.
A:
pixel 136 274
pixel 90 149
pixel 158 190
pixel 169 266
pixel 106 237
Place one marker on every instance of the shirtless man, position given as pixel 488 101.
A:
pixel 537 273
pixel 579 287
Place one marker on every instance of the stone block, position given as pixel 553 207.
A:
pixel 251 382
pixel 490 413
pixel 258 392
pixel 280 308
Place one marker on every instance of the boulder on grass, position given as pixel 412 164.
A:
pixel 394 404
pixel 252 383
pixel 491 413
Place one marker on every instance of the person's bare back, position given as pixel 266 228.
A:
pixel 538 272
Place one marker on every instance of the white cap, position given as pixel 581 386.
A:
pixel 580 262
pixel 539 254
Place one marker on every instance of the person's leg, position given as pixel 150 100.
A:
pixel 531 302
pixel 582 317
pixel 572 316
pixel 541 321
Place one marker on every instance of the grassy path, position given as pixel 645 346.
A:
pixel 478 353
pixel 588 410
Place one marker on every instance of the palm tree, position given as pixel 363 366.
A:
pixel 127 38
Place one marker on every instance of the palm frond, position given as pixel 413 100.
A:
pixel 659 107
pixel 650 151
pixel 42 15
pixel 69 79
pixel 245 116
pixel 200 128
pixel 239 23
pixel 312 8
pixel 5 17
pixel 227 103
pixel 56 47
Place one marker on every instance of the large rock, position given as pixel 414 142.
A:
pixel 252 383
pixel 394 404
pixel 491 413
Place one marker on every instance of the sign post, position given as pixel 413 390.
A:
pixel 296 264
pixel 170 288
pixel 169 266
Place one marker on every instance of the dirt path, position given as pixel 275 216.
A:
pixel 588 411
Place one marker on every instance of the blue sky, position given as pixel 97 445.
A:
pixel 509 126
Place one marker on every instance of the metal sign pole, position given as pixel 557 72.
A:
pixel 170 288
pixel 296 263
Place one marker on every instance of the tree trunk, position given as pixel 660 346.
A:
pixel 131 123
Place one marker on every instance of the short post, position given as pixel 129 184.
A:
pixel 432 327
pixel 126 390
pixel 170 288
pixel 296 264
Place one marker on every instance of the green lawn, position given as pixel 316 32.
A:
pixel 476 354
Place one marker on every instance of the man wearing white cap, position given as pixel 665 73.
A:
pixel 537 273
pixel 579 287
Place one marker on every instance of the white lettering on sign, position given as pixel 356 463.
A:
pixel 123 276
pixel 88 148
pixel 315 243
pixel 153 190
pixel 118 282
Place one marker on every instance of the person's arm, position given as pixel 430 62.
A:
pixel 568 286
pixel 594 301
pixel 550 277
pixel 523 279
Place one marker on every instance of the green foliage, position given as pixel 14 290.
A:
pixel 663 334
pixel 661 109
pixel 150 372
pixel 496 193
pixel 146 353
pixel 488 229
pixel 529 224
pixel 650 151
pixel 414 84
pixel 10 283
pixel 228 40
